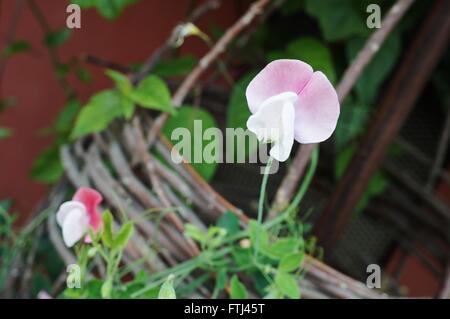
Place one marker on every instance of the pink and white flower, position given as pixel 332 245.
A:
pixel 76 216
pixel 290 102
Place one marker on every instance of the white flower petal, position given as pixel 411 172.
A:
pixel 282 149
pixel 274 122
pixel 66 208
pixel 75 225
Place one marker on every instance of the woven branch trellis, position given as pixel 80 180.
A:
pixel 125 185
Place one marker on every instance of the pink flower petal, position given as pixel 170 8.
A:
pixel 277 77
pixel 317 110
pixel 91 199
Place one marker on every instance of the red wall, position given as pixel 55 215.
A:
pixel 29 77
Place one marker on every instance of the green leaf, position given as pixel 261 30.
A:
pixel 127 107
pixel 221 279
pixel 175 67
pixel 57 38
pixel 242 257
pixel 107 289
pixel 167 291
pixel 124 235
pixel 84 75
pixel 100 111
pixel 352 122
pixel 67 116
pixel 47 168
pixel 378 69
pixel 5 205
pixel 342 160
pixel 283 247
pixel 195 233
pixel 122 82
pixel 125 87
pixel 152 93
pixel 62 69
pixel 258 233
pixel 238 114
pixel 237 289
pixel 338 19
pixel 109 9
pixel 291 262
pixel 229 222
pixel 190 144
pixel 5 132
pixel 291 7
pixel 15 48
pixel 313 52
pixel 287 284
pixel 107 235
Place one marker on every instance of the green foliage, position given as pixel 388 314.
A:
pixel 229 222
pixel 311 51
pixel 57 38
pixel 96 115
pixel 47 168
pixel 195 233
pixel 378 69
pixel 5 132
pixel 124 235
pixel 356 110
pixel 107 234
pixel 338 19
pixel 352 122
pixel 109 9
pixel 237 289
pixel 291 262
pixel 184 118
pixel 209 240
pixel 258 234
pixel 283 247
pixel 84 75
pixel 287 285
pixel 175 67
pixel 167 291
pixel 291 7
pixel 15 48
pixel 121 81
pixel 238 114
pixel 119 240
pixel 66 118
pixel 152 93
pixel 109 245
pixel 16 248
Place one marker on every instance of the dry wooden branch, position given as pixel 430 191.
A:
pixel 440 154
pixel 170 43
pixel 181 93
pixel 149 164
pixel 397 102
pixel 132 197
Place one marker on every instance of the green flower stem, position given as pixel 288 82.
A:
pixel 188 266
pixel 262 197
pixel 305 183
